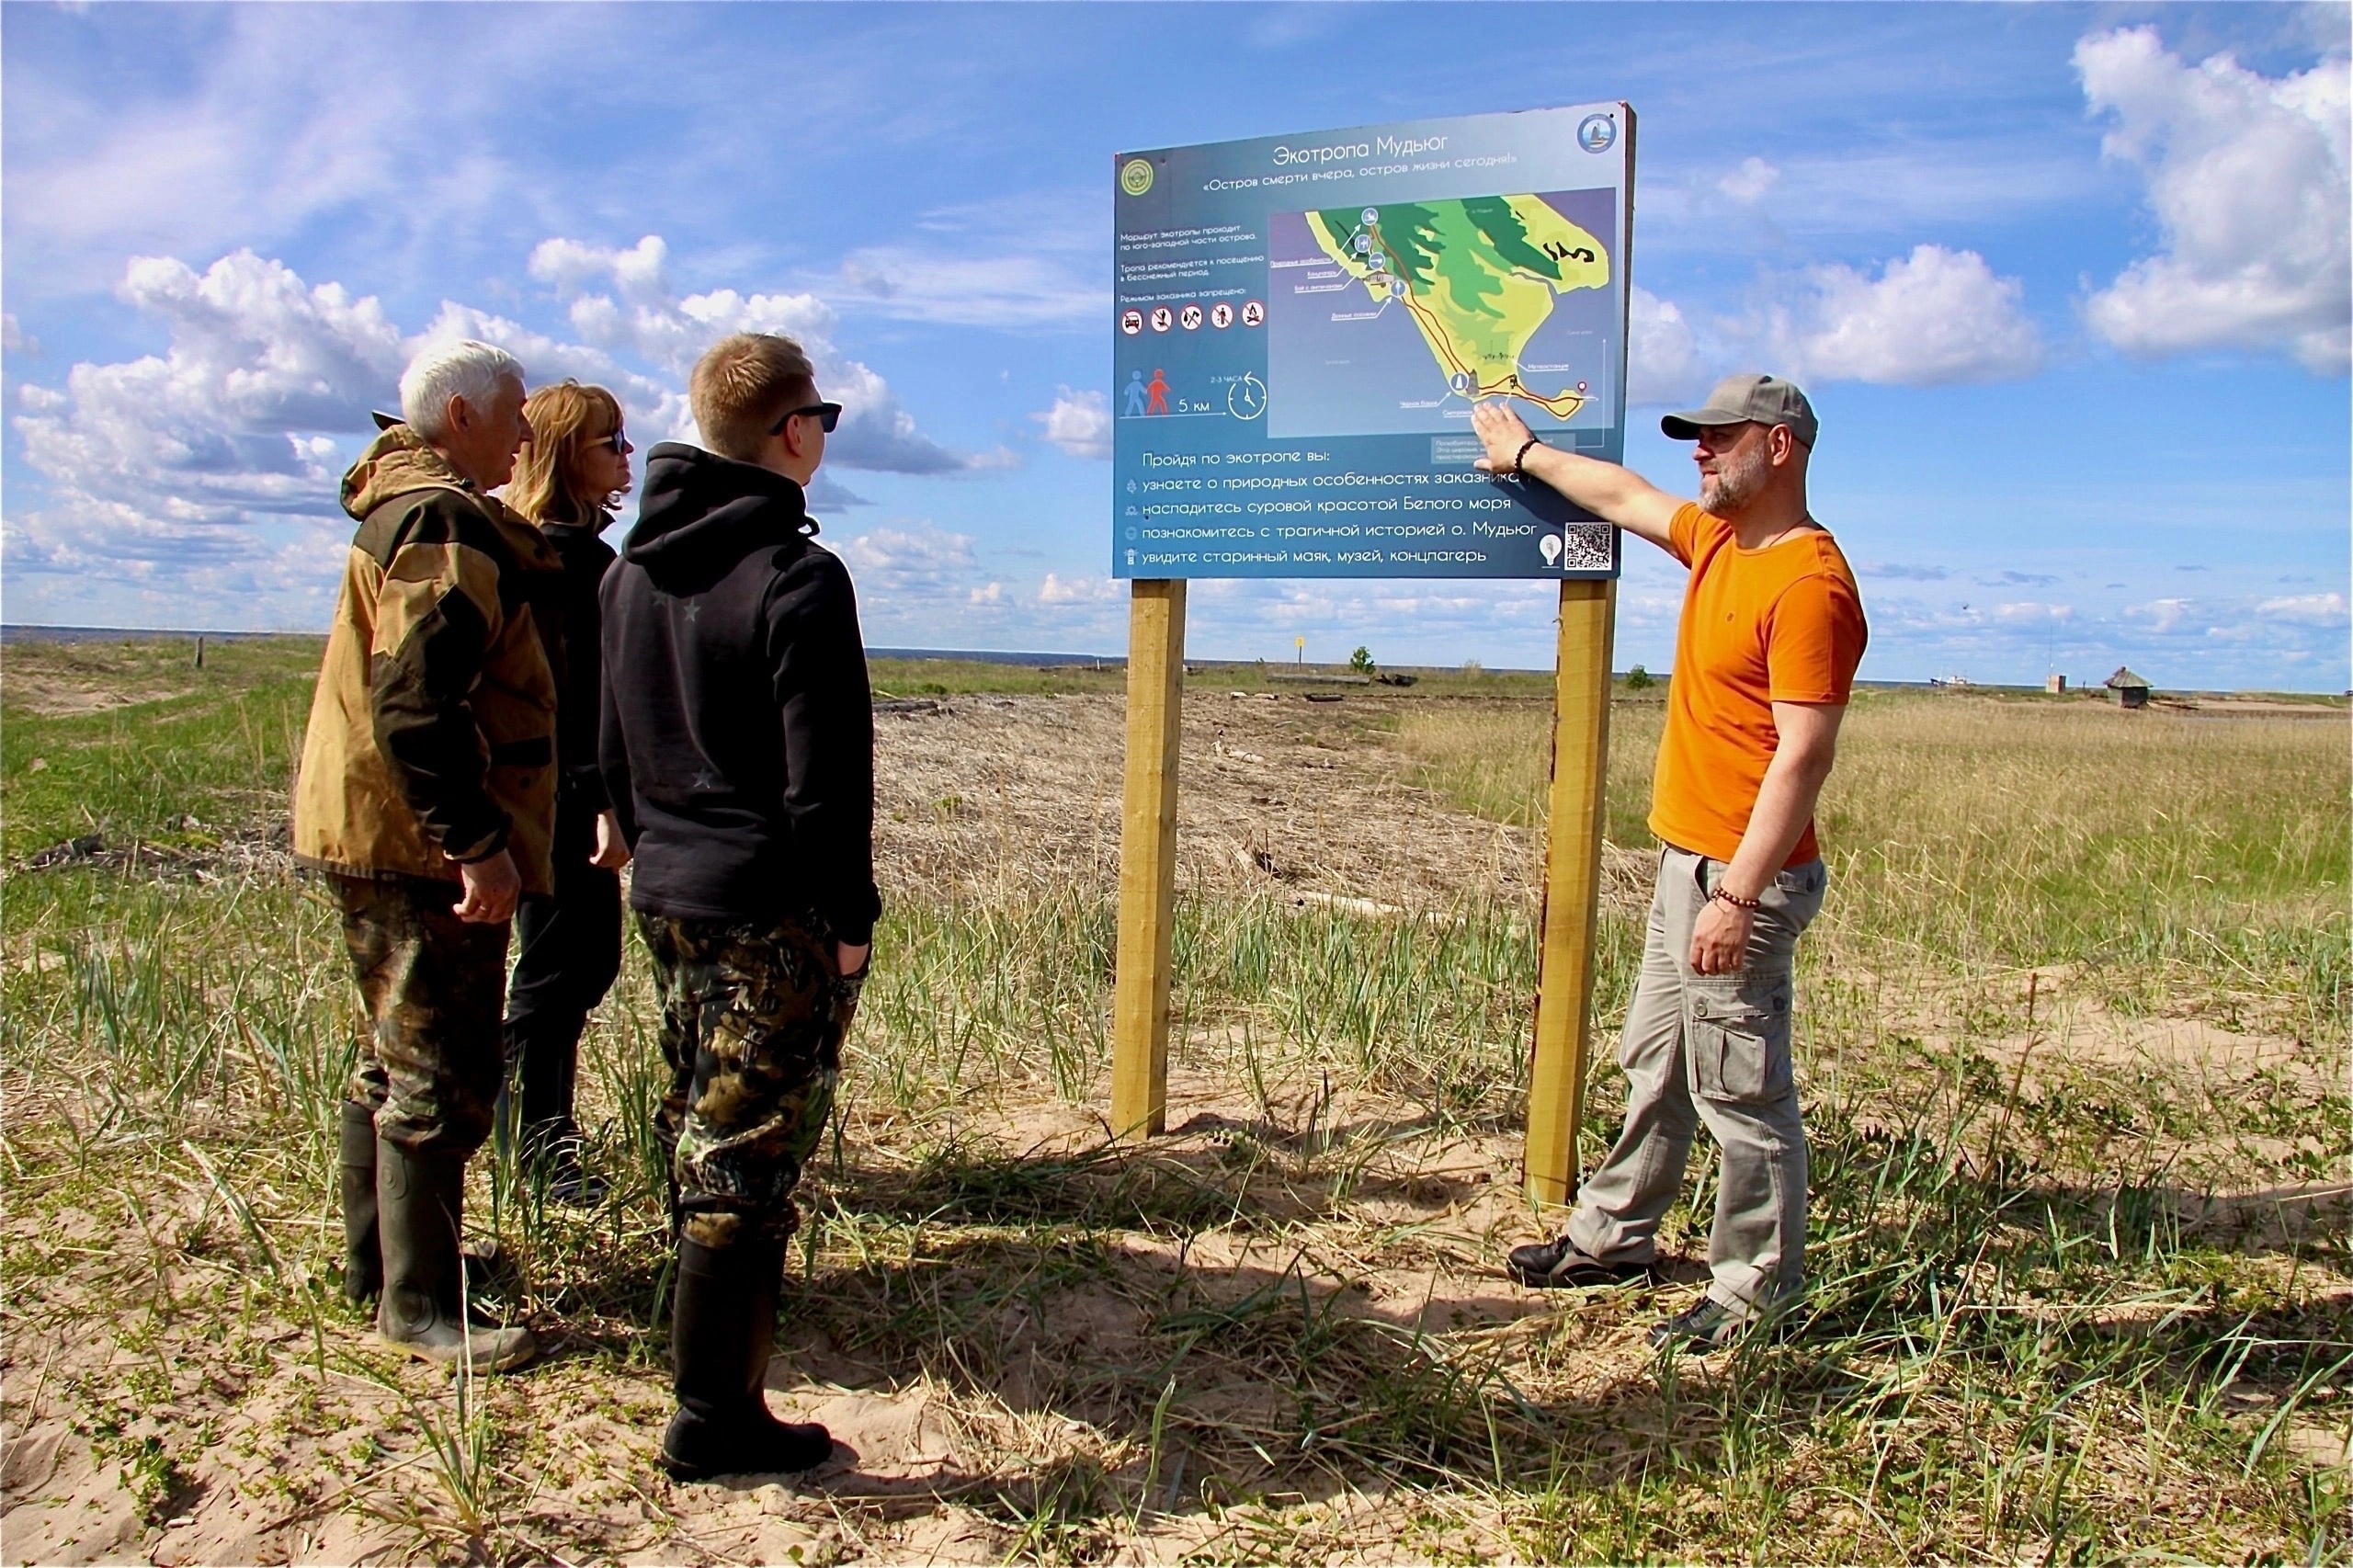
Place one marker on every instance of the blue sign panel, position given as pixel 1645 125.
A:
pixel 1305 324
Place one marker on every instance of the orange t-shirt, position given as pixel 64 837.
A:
pixel 1784 623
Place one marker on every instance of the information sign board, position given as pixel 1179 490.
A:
pixel 1303 324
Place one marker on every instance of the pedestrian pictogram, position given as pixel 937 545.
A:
pixel 1191 318
pixel 1253 313
pixel 1221 316
pixel 1158 388
pixel 1162 318
pixel 1132 321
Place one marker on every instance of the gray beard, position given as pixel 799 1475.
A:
pixel 1734 487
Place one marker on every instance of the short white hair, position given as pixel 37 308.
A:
pixel 466 369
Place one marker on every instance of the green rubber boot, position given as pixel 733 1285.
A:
pixel 420 1202
pixel 363 1257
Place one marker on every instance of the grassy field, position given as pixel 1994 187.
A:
pixel 2073 1041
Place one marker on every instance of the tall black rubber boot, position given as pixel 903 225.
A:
pixel 723 1330
pixel 420 1205
pixel 543 1060
pixel 363 1258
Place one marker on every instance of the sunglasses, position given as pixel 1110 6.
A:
pixel 617 442
pixel 828 414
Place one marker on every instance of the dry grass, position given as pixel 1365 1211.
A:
pixel 2080 1293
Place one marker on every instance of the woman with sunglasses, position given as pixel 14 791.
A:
pixel 569 475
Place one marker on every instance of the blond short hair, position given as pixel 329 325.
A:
pixel 565 419
pixel 743 385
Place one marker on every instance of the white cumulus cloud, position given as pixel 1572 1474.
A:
pixel 2305 610
pixel 1749 183
pixel 1933 318
pixel 1077 590
pixel 1663 363
pixel 166 467
pixel 622 300
pixel 2247 179
pixel 166 458
pixel 917 559
pixel 1079 423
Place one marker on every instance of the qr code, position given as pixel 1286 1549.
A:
pixel 1587 547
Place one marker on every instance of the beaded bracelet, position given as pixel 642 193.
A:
pixel 1728 896
pixel 1515 457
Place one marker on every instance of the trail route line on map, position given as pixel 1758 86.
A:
pixel 1477 273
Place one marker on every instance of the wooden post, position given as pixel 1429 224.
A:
pixel 1148 859
pixel 1572 889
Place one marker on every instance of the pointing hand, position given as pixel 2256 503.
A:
pixel 1502 432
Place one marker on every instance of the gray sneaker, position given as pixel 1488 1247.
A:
pixel 1696 1330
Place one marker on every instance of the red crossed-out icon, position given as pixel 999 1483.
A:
pixel 1163 318
pixel 1221 316
pixel 1191 318
pixel 1132 321
pixel 1253 313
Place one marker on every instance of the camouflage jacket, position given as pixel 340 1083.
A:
pixel 432 730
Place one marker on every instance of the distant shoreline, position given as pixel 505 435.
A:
pixel 12 633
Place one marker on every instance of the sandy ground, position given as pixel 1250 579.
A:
pixel 306 1450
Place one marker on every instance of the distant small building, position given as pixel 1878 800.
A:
pixel 2055 685
pixel 2131 691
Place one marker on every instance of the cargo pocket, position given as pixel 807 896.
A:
pixel 1738 1042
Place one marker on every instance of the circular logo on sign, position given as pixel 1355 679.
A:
pixel 1135 176
pixel 1132 321
pixel 1221 316
pixel 1253 313
pixel 1596 133
pixel 1163 318
pixel 1190 318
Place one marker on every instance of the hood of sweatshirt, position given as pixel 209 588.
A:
pixel 396 462
pixel 700 514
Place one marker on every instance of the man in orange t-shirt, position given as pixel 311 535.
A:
pixel 1765 655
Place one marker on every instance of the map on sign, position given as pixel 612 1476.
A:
pixel 1478 277
pixel 1397 318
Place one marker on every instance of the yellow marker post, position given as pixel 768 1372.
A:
pixel 1571 890
pixel 1148 859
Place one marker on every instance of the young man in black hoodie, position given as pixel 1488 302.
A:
pixel 738 750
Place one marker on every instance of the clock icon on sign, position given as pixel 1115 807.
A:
pixel 1247 399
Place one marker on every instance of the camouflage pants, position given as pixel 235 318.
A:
pixel 752 1018
pixel 433 986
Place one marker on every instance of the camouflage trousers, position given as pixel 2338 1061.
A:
pixel 433 986
pixel 752 1018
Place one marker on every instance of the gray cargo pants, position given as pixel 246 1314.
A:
pixel 1713 1048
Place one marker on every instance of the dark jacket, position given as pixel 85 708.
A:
pixel 431 735
pixel 738 734
pixel 579 697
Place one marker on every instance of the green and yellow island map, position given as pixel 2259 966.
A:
pixel 1478 277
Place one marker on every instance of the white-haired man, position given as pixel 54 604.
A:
pixel 1766 650
pixel 426 796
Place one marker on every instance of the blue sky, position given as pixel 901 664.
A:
pixel 2069 287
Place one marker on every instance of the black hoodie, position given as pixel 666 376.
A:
pixel 738 743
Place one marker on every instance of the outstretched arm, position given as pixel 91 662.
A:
pixel 1609 492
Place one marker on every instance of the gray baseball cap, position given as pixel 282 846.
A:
pixel 1737 399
